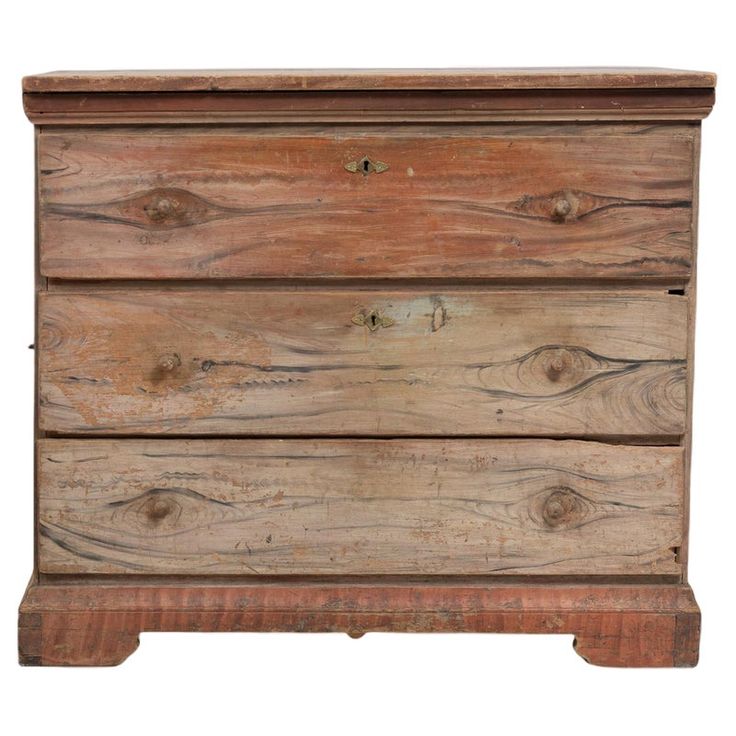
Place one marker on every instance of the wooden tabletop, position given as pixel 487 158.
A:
pixel 285 80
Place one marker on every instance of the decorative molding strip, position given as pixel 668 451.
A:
pixel 362 106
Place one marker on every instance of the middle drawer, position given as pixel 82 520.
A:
pixel 360 362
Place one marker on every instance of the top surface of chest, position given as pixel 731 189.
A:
pixel 300 80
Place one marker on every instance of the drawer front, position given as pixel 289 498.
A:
pixel 499 201
pixel 351 362
pixel 538 507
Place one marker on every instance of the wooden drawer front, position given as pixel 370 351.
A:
pixel 500 201
pixel 310 362
pixel 358 507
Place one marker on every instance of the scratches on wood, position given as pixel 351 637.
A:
pixel 358 507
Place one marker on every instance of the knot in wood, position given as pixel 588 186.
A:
pixel 562 208
pixel 161 208
pixel 156 509
pixel 555 367
pixel 169 363
pixel 561 507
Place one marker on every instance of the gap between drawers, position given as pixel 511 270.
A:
pixel 654 440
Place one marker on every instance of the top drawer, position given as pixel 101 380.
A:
pixel 500 201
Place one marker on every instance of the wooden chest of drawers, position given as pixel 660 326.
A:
pixel 365 351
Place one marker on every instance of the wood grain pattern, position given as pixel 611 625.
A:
pixel 244 203
pixel 250 80
pixel 358 507
pixel 614 625
pixel 565 363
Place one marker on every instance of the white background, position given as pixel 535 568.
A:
pixel 383 683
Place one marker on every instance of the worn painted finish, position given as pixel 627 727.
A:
pixel 520 262
pixel 559 363
pixel 614 625
pixel 246 203
pixel 347 507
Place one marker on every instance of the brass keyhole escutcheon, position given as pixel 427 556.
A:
pixel 372 320
pixel 366 166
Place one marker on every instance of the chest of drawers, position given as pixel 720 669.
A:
pixel 365 351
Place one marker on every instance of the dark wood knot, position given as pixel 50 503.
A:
pixel 560 508
pixel 555 368
pixel 169 363
pixel 162 207
pixel 562 208
pixel 157 509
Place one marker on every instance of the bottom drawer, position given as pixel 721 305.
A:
pixel 358 507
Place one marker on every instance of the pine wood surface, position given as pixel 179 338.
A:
pixel 275 203
pixel 359 507
pixel 559 363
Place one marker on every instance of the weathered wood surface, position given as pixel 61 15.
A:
pixel 343 507
pixel 560 363
pixel 297 80
pixel 614 625
pixel 170 361
pixel 261 202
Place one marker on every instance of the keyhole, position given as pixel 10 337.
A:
pixel 373 320
pixel 365 166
